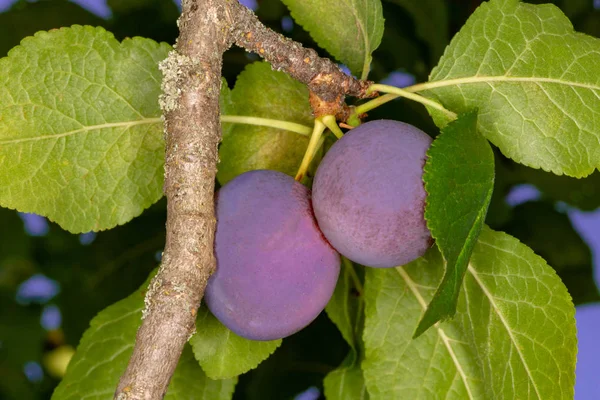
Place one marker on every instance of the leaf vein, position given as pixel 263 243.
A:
pixel 126 125
pixel 496 309
pixel 441 333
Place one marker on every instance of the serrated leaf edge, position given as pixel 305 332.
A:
pixel 477 225
pixel 473 271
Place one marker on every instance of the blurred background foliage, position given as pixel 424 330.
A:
pixel 52 282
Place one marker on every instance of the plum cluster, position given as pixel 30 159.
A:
pixel 278 260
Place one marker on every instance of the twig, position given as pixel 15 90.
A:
pixel 323 77
pixel 191 87
pixel 190 103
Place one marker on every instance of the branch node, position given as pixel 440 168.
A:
pixel 322 107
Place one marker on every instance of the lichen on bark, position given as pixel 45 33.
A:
pixel 190 104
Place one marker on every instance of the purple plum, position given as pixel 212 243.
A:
pixel 275 270
pixel 368 194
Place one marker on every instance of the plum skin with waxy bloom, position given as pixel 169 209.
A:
pixel 275 270
pixel 368 194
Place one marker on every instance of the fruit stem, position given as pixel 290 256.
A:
pixel 412 96
pixel 271 123
pixel 376 102
pixel 355 279
pixel 313 145
pixel 331 123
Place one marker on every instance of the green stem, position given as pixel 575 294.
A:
pixel 272 123
pixel 355 279
pixel 376 102
pixel 412 96
pixel 419 87
pixel 313 145
pixel 331 123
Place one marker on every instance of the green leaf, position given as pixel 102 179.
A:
pixel 104 351
pixel 350 30
pixel 346 307
pixel 302 361
pixel 346 310
pixel 190 383
pixel 431 22
pixel 513 336
pixel 535 81
pixel 112 267
pixel 21 333
pixel 222 353
pixel 347 381
pixel 262 92
pixel 81 140
pixel 15 250
pixel 459 180
pixel 550 234
pixel 226 106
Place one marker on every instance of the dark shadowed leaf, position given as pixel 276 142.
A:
pixel 551 235
pixel 346 310
pixel 431 22
pixel 302 361
pixel 104 351
pixel 583 193
pixel 262 92
pixel 459 180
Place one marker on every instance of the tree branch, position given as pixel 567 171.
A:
pixel 190 103
pixel 191 87
pixel 327 83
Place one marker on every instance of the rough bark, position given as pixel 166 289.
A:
pixel 190 103
pixel 191 87
pixel 327 83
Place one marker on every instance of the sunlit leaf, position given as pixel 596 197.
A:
pixel 104 351
pixel 349 29
pixel 222 353
pixel 346 310
pixel 535 81
pixel 81 138
pixel 513 335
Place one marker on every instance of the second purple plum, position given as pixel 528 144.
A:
pixel 275 270
pixel 368 194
